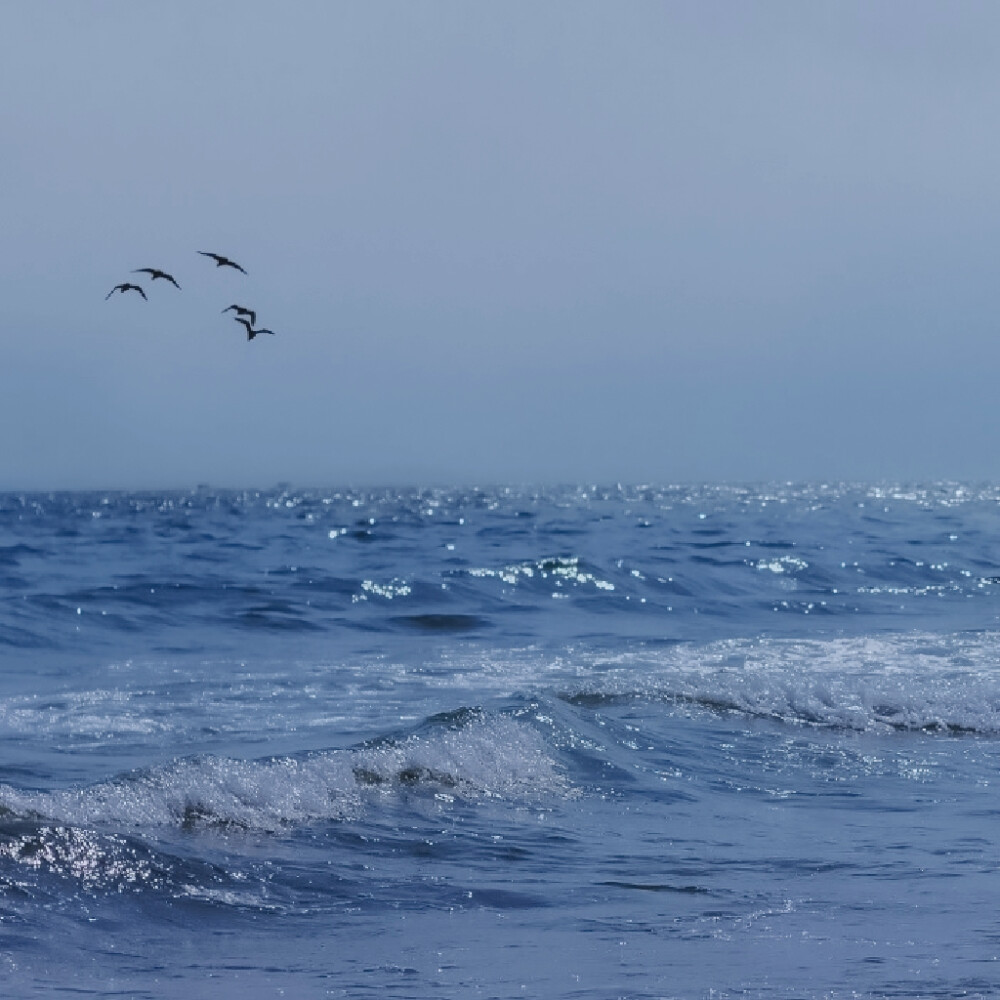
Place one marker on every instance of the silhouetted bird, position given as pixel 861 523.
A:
pixel 154 273
pixel 251 332
pixel 124 287
pixel 242 311
pixel 221 261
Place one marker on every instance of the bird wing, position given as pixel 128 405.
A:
pixel 146 270
pixel 112 292
pixel 140 291
pixel 220 260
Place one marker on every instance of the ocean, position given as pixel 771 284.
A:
pixel 588 742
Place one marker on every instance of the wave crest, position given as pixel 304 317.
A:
pixel 490 757
pixel 911 682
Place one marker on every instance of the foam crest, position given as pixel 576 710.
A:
pixel 910 682
pixel 554 571
pixel 486 758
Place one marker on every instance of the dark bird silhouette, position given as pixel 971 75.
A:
pixel 242 311
pixel 154 273
pixel 125 286
pixel 251 332
pixel 221 261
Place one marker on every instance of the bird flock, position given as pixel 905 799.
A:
pixel 242 314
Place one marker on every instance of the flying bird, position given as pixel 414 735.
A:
pixel 221 261
pixel 251 332
pixel 154 273
pixel 242 311
pixel 125 286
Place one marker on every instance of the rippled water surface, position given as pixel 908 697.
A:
pixel 584 742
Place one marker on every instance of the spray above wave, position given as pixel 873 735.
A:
pixel 474 758
pixel 97 861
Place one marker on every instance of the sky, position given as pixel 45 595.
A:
pixel 525 242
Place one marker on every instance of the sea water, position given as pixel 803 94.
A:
pixel 586 742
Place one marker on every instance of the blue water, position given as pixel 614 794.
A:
pixel 574 743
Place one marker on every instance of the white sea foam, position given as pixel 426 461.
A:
pixel 560 570
pixel 911 681
pixel 492 757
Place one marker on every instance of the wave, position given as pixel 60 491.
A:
pixel 914 682
pixel 101 570
pixel 472 756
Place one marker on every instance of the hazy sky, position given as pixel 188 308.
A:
pixel 507 241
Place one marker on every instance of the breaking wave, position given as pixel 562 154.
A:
pixel 910 682
pixel 477 757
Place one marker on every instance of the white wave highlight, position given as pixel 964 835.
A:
pixel 909 682
pixel 490 758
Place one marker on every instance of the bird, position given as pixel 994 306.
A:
pixel 242 311
pixel 221 261
pixel 125 286
pixel 155 272
pixel 251 332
